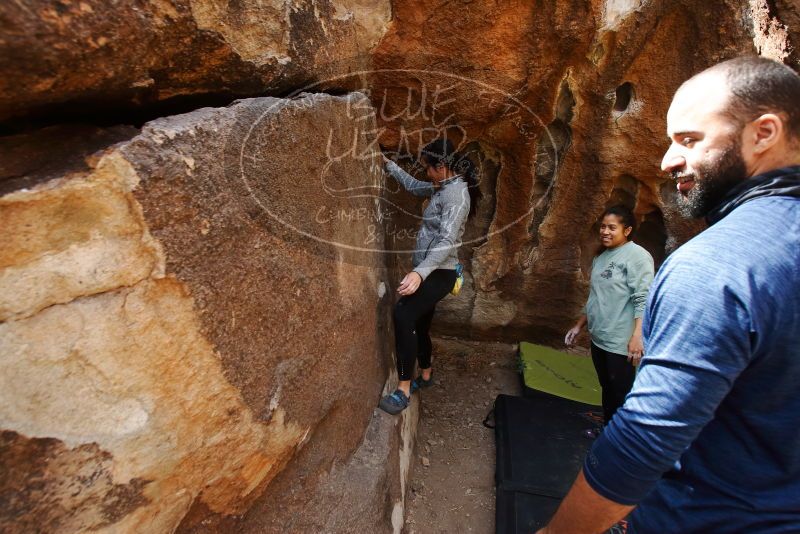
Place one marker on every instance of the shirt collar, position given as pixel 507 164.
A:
pixel 778 182
pixel 449 180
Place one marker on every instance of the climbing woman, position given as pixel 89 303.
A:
pixel 620 279
pixel 452 188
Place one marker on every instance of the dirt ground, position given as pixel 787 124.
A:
pixel 452 479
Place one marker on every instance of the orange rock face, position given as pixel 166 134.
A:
pixel 562 106
pixel 94 54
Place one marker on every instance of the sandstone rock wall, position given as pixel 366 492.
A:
pixel 562 106
pixel 178 330
pixel 93 53
pixel 194 312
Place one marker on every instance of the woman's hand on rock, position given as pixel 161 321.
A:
pixel 410 283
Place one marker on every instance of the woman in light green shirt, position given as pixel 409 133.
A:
pixel 620 279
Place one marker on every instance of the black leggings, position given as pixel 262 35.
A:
pixel 616 377
pixel 412 321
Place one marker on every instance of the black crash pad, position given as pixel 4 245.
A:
pixel 540 450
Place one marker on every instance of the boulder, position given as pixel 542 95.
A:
pixel 192 315
pixel 121 55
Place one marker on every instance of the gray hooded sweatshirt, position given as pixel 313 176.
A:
pixel 443 220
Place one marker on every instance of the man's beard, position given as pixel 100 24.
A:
pixel 712 181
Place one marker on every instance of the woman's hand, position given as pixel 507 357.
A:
pixel 410 283
pixel 635 345
pixel 569 339
pixel 635 349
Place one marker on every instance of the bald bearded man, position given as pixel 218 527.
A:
pixel 708 440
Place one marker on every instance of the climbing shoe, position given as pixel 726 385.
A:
pixel 421 383
pixel 394 403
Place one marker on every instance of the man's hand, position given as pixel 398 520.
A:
pixel 635 349
pixel 410 284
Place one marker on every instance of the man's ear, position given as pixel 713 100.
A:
pixel 627 230
pixel 765 132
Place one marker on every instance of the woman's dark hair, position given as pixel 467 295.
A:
pixel 442 152
pixel 625 216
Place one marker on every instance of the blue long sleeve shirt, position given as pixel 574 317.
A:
pixel 708 440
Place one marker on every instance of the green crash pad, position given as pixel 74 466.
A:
pixel 558 373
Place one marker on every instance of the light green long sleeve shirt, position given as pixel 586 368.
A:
pixel 620 281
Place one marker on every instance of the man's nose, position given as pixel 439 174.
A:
pixel 672 161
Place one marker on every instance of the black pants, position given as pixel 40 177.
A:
pixel 412 321
pixel 616 377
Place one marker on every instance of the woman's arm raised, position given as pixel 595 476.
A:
pixel 409 183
